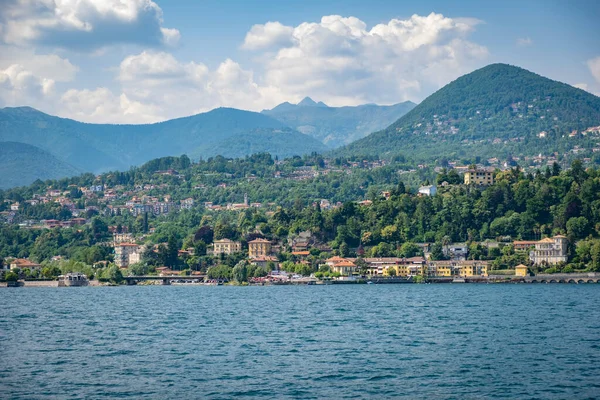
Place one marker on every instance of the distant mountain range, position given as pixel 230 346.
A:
pixel 337 126
pixel 101 147
pixel 22 164
pixel 496 111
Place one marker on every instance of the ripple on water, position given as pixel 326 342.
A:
pixel 422 341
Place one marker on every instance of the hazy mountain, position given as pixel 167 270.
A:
pixel 101 147
pixel 336 126
pixel 21 164
pixel 496 111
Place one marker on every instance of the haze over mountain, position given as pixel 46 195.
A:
pixel 101 147
pixel 497 111
pixel 337 126
pixel 21 164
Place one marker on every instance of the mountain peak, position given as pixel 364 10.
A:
pixel 501 104
pixel 308 102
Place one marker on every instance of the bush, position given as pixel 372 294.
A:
pixel 11 277
pixel 568 269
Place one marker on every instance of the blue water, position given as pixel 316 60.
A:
pixel 356 341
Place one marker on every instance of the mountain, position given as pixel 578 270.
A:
pixel 102 147
pixel 496 111
pixel 21 164
pixel 336 126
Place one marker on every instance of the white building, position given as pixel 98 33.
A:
pixel 550 251
pixel 428 190
pixel 127 254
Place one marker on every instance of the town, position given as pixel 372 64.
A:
pixel 216 254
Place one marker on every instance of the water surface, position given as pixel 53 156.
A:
pixel 355 341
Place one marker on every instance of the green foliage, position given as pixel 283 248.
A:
pixel 462 120
pixel 11 276
pixel 97 147
pixel 219 272
pixel 22 164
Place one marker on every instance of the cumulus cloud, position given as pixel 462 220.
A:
pixel 338 60
pixel 102 106
pixel 267 35
pixel 49 66
pixel 524 42
pixel 19 86
pixel 341 61
pixel 84 24
pixel 161 79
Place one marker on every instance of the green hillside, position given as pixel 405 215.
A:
pixel 21 164
pixel 102 147
pixel 496 111
pixel 337 126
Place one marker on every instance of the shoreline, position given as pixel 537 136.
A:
pixel 589 278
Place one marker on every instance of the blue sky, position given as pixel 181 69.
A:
pixel 134 61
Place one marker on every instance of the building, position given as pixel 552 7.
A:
pixel 259 248
pixel 521 270
pixel 122 238
pixel 428 190
pixel 456 251
pixel 343 266
pixel 381 265
pixel 454 269
pixel 523 245
pixel 479 176
pixel 127 254
pixel 412 266
pixel 226 246
pixel 23 263
pixel 550 251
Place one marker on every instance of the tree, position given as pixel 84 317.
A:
pixel 112 273
pixel 577 228
pixel 205 234
pixel 344 250
pixel 171 259
pixel 240 272
pixel 11 276
pixel 436 252
pixel 409 249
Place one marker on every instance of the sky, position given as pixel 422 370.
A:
pixel 142 61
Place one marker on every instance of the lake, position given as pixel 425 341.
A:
pixel 445 341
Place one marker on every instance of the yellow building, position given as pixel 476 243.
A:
pixel 344 266
pixel 479 177
pixel 473 268
pixel 465 269
pixel 521 270
pixel 259 248
pixel 226 246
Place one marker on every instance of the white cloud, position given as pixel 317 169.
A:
pixel 340 61
pixel 49 66
pixel 267 35
pixel 524 42
pixel 19 86
pixel 594 67
pixel 84 24
pixel 102 106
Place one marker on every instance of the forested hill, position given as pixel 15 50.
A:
pixel 39 165
pixel 337 126
pixel 496 111
pixel 102 147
